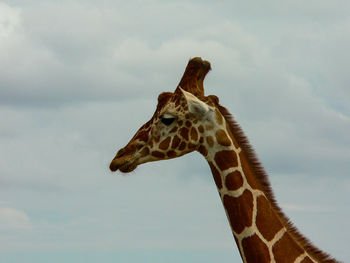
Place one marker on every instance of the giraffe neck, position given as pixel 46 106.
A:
pixel 261 231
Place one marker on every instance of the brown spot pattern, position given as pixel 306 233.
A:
pixel 203 150
pixel 184 133
pixel 200 129
pixel 194 134
pixel 182 146
pixel 234 181
pixel 175 142
pixel 139 146
pixel 222 138
pixel 191 146
pixel 188 124
pixel 307 260
pixel 239 210
pixel 210 141
pixel 165 144
pixel 226 159
pixel 216 175
pixel 255 250
pixel 283 255
pixel 147 125
pixel 177 102
pixel 142 136
pixel 173 129
pixel 145 151
pixel 171 154
pixel 266 219
pixel 219 117
pixel 158 154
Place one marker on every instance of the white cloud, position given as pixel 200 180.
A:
pixel 9 20
pixel 13 219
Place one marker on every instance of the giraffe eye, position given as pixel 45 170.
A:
pixel 167 120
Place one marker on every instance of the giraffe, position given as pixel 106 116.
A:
pixel 185 121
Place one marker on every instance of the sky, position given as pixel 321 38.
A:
pixel 78 78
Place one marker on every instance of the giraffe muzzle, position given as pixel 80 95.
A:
pixel 114 166
pixel 123 162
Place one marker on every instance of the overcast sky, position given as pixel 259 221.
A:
pixel 78 78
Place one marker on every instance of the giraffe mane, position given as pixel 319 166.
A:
pixel 263 179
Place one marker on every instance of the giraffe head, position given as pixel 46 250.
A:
pixel 178 125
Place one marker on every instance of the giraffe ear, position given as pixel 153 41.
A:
pixel 196 107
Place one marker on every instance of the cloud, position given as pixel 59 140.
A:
pixel 77 79
pixel 13 219
pixel 9 19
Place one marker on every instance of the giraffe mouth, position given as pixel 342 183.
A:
pixel 127 168
pixel 123 164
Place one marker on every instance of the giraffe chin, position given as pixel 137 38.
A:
pixel 124 167
pixel 127 168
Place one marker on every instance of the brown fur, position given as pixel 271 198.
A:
pixel 193 77
pixel 251 244
pixel 239 210
pixel 226 159
pixel 281 254
pixel 222 138
pixel 266 220
pixel 262 178
pixel 234 181
pixel 192 81
pixel 306 260
pixel 216 175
